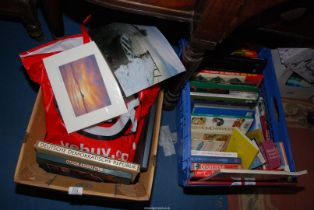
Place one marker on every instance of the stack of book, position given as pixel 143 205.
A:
pixel 229 130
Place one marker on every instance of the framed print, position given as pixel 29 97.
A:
pixel 84 87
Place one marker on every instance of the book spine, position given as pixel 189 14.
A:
pixel 248 78
pixel 221 125
pixel 78 169
pixel 208 86
pixel 98 160
pixel 232 95
pixel 207 170
pixel 224 112
pixel 220 98
pixel 284 165
pixel 213 166
pixel 213 153
pixel 208 159
pixel 272 154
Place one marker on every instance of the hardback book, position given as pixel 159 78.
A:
pixel 230 95
pixel 214 159
pixel 219 123
pixel 272 154
pixel 203 170
pixel 223 110
pixel 60 165
pixel 211 87
pixel 228 77
pixel 222 101
pixel 213 154
pixel 242 145
pixel 87 158
pixel 145 142
pixel 213 166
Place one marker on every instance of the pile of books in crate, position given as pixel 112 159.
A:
pixel 231 140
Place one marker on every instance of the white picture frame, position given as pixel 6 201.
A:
pixel 85 89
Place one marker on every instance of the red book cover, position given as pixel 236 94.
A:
pixel 201 170
pixel 272 154
pixel 247 78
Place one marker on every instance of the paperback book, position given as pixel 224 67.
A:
pixel 242 145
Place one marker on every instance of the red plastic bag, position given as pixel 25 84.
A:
pixel 119 145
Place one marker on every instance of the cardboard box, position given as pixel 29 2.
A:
pixel 283 74
pixel 29 173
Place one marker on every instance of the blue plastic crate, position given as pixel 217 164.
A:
pixel 275 113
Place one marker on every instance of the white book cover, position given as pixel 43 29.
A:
pixel 84 87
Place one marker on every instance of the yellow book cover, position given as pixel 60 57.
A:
pixel 242 145
pixel 257 135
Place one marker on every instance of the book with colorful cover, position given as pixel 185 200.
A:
pixel 213 166
pixel 213 154
pixel 242 145
pixel 228 111
pixel 228 77
pixel 272 154
pixel 213 159
pixel 207 86
pixel 219 123
pixel 203 170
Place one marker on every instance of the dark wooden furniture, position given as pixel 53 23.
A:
pixel 24 11
pixel 211 22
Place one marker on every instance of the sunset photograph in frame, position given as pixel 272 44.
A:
pixel 84 87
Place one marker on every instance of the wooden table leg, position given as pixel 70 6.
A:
pixel 30 19
pixel 53 13
pixel 192 56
